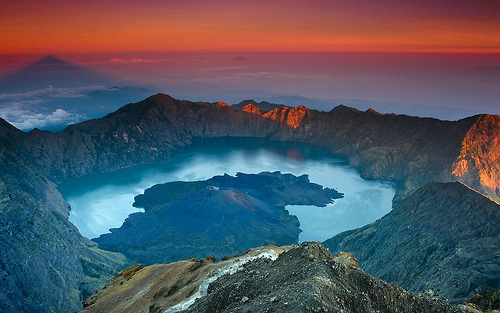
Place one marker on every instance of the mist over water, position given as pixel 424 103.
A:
pixel 101 202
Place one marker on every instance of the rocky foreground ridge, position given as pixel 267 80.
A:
pixel 47 266
pixel 304 278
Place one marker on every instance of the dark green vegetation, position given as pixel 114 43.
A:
pixel 444 237
pixel 43 258
pixel 487 301
pixel 221 216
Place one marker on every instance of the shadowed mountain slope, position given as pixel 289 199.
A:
pixel 443 237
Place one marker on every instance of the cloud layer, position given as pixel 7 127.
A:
pixel 21 115
pixel 33 109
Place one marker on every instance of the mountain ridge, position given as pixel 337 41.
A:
pixel 263 105
pixel 410 151
pixel 442 237
pixel 302 278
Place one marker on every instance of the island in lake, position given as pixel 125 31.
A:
pixel 221 216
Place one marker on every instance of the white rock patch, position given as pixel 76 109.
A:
pixel 230 269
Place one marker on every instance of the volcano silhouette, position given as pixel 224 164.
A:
pixel 52 71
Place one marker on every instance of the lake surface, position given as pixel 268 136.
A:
pixel 101 202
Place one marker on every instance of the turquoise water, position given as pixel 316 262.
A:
pixel 101 202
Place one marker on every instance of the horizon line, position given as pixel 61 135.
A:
pixel 53 53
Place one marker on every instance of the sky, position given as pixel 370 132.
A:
pixel 55 26
pixel 427 58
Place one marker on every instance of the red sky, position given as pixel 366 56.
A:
pixel 51 26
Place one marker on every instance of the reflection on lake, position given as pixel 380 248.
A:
pixel 101 202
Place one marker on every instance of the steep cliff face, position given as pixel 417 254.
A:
pixel 305 278
pixel 290 116
pixel 137 133
pixel 250 108
pixel 409 150
pixel 478 164
pixel 45 264
pixel 444 237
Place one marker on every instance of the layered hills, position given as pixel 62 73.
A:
pixel 47 263
pixel 221 216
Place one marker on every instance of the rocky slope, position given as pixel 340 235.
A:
pixel 478 164
pixel 444 237
pixel 290 116
pixel 250 108
pixel 220 216
pixel 305 278
pixel 408 150
pixel 153 129
pixel 488 301
pixel 45 264
pixel 262 106
pixel 412 151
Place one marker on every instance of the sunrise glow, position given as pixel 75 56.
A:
pixel 125 26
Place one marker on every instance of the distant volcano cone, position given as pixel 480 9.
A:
pixel 52 71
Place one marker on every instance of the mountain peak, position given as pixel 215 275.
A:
pixel 50 60
pixel 290 116
pixel 263 106
pixel 50 63
pixel 161 96
pixel 372 111
pixel 344 108
pixel 251 108
pixel 53 71
pixel 6 129
pixel 480 147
